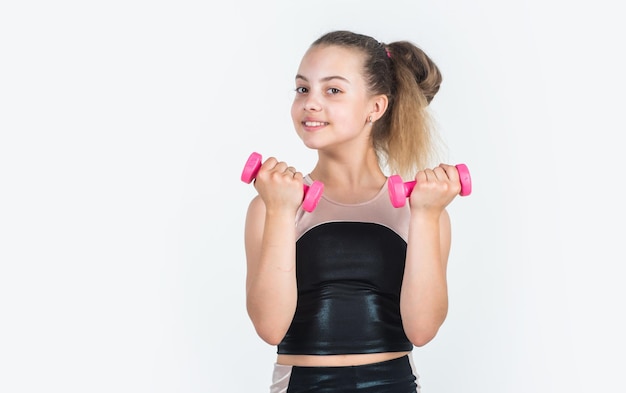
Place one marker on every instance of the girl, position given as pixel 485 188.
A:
pixel 346 291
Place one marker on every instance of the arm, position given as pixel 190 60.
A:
pixel 271 291
pixel 424 294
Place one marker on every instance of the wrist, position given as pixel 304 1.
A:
pixel 280 213
pixel 425 216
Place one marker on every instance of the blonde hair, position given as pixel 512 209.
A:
pixel 404 137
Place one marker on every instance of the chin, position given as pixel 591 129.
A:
pixel 307 140
pixel 312 144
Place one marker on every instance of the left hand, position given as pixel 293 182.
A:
pixel 435 188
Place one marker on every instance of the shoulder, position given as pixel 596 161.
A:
pixel 254 225
pixel 256 210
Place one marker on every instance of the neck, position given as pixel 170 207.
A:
pixel 349 178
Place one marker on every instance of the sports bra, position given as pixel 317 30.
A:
pixel 349 269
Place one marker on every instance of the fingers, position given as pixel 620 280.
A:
pixel 431 175
pixel 451 172
pixel 273 166
pixel 291 170
pixel 443 177
pixel 279 185
pixel 442 172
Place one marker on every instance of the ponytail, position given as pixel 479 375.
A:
pixel 404 137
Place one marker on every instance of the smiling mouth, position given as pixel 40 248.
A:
pixel 314 123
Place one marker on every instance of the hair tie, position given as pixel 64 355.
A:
pixel 388 53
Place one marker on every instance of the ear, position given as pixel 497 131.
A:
pixel 379 105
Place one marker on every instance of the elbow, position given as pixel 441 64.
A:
pixel 270 325
pixel 419 339
pixel 422 333
pixel 268 330
pixel 423 329
pixel 270 336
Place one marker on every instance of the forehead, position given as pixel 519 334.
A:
pixel 324 60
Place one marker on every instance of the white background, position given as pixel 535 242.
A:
pixel 124 126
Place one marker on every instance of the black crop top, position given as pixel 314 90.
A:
pixel 349 268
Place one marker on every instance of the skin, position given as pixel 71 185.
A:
pixel 331 113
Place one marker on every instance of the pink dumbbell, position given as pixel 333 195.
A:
pixel 312 193
pixel 399 191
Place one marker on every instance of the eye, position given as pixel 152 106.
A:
pixel 333 91
pixel 301 90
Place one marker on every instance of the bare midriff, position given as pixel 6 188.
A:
pixel 337 360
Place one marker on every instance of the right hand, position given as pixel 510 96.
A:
pixel 279 185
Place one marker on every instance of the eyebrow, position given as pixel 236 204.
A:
pixel 325 79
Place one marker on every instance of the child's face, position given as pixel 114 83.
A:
pixel 331 104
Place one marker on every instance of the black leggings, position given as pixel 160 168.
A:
pixel 391 376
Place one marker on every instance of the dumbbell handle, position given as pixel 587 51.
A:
pixel 399 191
pixel 312 193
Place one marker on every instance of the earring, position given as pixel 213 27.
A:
pixel 371 120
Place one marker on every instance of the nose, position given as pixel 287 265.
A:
pixel 312 103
